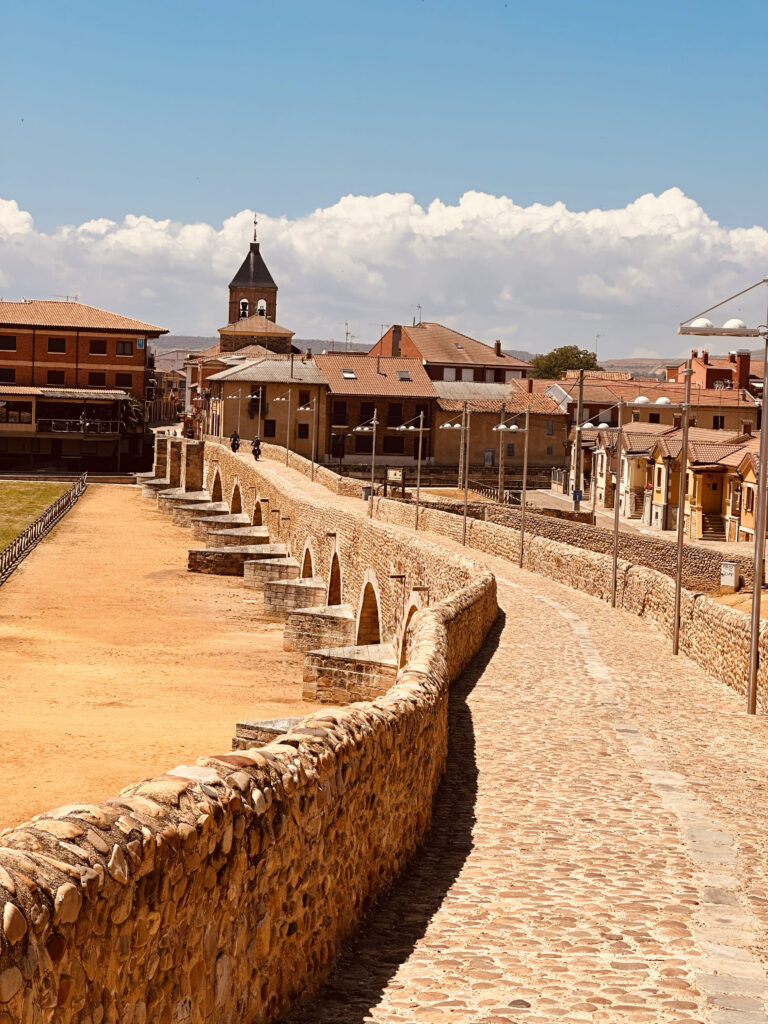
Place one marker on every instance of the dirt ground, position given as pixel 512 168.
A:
pixel 118 664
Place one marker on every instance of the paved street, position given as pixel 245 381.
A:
pixel 598 850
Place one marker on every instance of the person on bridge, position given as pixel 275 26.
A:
pixel 256 448
pixel 234 441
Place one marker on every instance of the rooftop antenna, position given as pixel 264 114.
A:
pixel 348 335
pixel 419 309
pixel 255 227
pixel 68 298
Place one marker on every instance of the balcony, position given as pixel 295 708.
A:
pixel 78 426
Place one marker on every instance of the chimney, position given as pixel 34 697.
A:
pixel 677 420
pixel 529 382
pixel 694 353
pixel 732 357
pixel 397 335
pixel 742 368
pixel 746 428
pixel 497 347
pixel 705 357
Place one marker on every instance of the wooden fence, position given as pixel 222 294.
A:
pixel 20 546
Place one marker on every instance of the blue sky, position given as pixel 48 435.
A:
pixel 194 112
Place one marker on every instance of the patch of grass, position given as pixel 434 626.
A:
pixel 22 502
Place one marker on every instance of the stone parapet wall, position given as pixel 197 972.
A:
pixel 309 629
pixel 345 679
pixel 701 567
pixel 221 891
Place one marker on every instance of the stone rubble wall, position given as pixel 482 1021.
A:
pixel 309 630
pixel 701 566
pixel 714 635
pixel 220 892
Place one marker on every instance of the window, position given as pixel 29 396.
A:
pixel 449 373
pixel 654 417
pixel 16 412
pixel 422 407
pixel 97 379
pixel 55 377
pixel 123 380
pixel 393 445
pixel 363 444
pixel 550 450
pixel 404 375
pixel 303 430
pixel 7 375
pixel 467 375
pixel 97 347
pixel 348 374
pixel 303 398
pixel 243 309
pixel 749 503
pixel 510 450
pixel 339 417
pixel 125 348
pixel 7 343
pixel 458 345
pixel 550 428
pixel 366 411
pixel 57 344
pixel 689 483
pixel 490 376
pixel 658 478
pixel 394 414
pixel 269 428
pixel 718 422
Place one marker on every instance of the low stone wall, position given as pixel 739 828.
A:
pixel 344 679
pixel 701 567
pixel 221 891
pixel 309 629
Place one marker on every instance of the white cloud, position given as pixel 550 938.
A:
pixel 536 276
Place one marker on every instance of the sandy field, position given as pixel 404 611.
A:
pixel 117 664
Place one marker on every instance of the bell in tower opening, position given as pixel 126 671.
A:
pixel 243 308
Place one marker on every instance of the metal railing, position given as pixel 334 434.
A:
pixel 48 426
pixel 29 538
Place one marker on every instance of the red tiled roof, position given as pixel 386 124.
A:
pixel 74 315
pixel 438 344
pixel 74 394
pixel 258 325
pixel 374 375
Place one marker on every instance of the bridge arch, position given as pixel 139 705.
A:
pixel 414 605
pixel 236 502
pixel 368 627
pixel 334 580
pixel 307 560
pixel 216 493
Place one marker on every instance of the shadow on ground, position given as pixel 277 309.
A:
pixel 387 936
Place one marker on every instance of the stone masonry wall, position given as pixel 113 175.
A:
pixel 220 892
pixel 715 636
pixel 701 567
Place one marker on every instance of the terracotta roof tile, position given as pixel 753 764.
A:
pixel 54 314
pixel 438 344
pixel 369 375
pixel 66 394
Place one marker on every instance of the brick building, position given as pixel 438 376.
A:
pixel 731 372
pixel 70 345
pixel 448 355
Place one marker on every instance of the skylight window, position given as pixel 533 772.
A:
pixel 349 374
pixel 458 345
pixel 404 375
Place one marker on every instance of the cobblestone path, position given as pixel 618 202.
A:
pixel 598 851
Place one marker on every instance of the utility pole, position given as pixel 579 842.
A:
pixel 500 496
pixel 579 454
pixel 681 492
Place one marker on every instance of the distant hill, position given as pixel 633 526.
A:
pixel 637 367
pixel 191 342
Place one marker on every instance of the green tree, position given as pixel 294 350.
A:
pixel 567 357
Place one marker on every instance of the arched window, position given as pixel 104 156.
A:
pixel 261 307
pixel 243 308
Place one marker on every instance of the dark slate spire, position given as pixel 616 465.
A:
pixel 253 273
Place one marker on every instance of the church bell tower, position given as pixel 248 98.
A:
pixel 252 291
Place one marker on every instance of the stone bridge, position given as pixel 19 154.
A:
pixel 587 815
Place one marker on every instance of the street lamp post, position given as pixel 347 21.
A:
pixel 509 426
pixel 286 397
pixel 311 408
pixel 366 428
pixel 700 325
pixel 681 492
pixel 616 503
pixel 409 425
pixel 463 457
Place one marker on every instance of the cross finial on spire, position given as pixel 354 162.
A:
pixel 255 226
